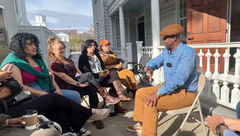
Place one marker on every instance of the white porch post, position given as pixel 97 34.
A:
pixel 122 30
pixel 155 26
pixel 155 35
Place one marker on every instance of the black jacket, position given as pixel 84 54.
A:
pixel 84 65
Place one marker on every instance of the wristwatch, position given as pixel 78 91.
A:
pixel 218 128
pixel 158 93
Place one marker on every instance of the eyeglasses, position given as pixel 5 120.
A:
pixel 61 48
pixel 107 45
pixel 166 37
pixel 92 46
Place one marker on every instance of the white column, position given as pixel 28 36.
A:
pixel 139 50
pixel 155 27
pixel 122 30
pixel 155 14
pixel 129 51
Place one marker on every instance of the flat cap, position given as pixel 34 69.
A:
pixel 172 29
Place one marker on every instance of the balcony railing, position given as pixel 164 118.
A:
pixel 214 60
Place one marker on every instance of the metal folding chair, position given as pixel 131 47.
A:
pixel 138 69
pixel 195 107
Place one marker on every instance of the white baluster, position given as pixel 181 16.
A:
pixel 201 54
pixel 226 56
pixel 215 87
pixel 216 56
pixel 225 89
pixel 225 92
pixel 235 98
pixel 237 65
pixel 208 72
pixel 139 49
pixel 236 92
pixel 129 51
pixel 216 90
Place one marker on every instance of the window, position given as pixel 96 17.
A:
pixel 182 18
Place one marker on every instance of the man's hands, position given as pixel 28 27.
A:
pixel 233 124
pixel 151 100
pixel 213 121
pixel 16 122
pixel 149 71
pixel 5 75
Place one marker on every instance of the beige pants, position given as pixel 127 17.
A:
pixel 149 116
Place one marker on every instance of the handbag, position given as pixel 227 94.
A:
pixel 17 94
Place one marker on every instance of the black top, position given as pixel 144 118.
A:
pixel 84 66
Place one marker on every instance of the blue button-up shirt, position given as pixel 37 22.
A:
pixel 228 132
pixel 180 69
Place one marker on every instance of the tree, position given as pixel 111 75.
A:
pixel 75 42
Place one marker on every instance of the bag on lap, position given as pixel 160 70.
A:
pixel 17 94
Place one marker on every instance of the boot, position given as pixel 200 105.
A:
pixel 120 109
pixel 118 88
pixel 109 100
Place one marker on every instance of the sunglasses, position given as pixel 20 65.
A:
pixel 171 36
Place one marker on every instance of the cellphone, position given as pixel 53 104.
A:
pixel 9 67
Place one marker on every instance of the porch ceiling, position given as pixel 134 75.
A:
pixel 135 5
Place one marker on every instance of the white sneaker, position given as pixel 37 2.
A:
pixel 84 132
pixel 137 128
pixel 99 114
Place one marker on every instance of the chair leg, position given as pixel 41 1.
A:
pixel 184 121
pixel 86 102
pixel 201 117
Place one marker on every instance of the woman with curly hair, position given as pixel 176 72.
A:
pixel 90 61
pixel 29 69
pixel 32 74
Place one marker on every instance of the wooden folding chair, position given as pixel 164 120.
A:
pixel 195 107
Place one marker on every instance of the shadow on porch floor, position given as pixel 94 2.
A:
pixel 116 126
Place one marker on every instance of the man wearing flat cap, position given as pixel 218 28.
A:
pixel 180 85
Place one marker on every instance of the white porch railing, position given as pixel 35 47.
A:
pixel 222 88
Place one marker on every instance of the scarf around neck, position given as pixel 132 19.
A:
pixel 44 80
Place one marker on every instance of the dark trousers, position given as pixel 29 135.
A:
pixel 91 91
pixel 57 108
pixel 112 76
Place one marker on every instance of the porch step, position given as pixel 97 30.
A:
pixel 209 108
pixel 220 110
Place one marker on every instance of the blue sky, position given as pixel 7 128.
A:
pixel 62 14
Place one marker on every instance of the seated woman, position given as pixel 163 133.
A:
pixel 67 113
pixel 64 73
pixel 29 69
pixel 90 61
pixel 112 62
